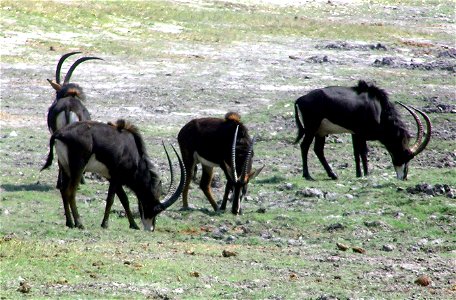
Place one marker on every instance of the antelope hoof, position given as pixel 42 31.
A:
pixel 186 208
pixel 69 224
pixel 80 226
pixel 308 177
pixel 134 226
pixel 237 213
pixel 333 176
pixel 105 225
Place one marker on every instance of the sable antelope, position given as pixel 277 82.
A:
pixel 223 143
pixel 67 106
pixel 116 152
pixel 365 112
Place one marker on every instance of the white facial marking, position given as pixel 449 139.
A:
pixel 148 224
pixel 95 166
pixel 400 171
pixel 204 161
pixel 327 127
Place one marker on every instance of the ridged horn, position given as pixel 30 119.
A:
pixel 248 159
pixel 171 198
pixel 76 63
pixel 233 155
pixel 427 137
pixel 420 130
pixel 60 63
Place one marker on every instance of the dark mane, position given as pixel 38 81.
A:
pixel 373 91
pixel 122 124
pixel 233 116
pixel 71 90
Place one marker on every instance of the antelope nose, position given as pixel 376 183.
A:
pixel 148 225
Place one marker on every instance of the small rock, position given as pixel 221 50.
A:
pixel 24 287
pixel 335 226
pixel 311 192
pixel 349 196
pixel 288 186
pixel 293 276
pixel 423 280
pixel 195 274
pixel 189 252
pixel 358 250
pixel 331 196
pixel 387 247
pixel 231 238
pixel 373 223
pixel 342 247
pixel 261 210
pixel 228 253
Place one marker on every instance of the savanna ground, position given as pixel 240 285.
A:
pixel 166 62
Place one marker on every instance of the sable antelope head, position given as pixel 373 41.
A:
pixel 240 183
pixel 402 158
pixel 66 88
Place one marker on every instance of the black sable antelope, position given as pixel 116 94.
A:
pixel 365 112
pixel 67 106
pixel 223 143
pixel 116 152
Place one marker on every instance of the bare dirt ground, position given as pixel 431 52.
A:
pixel 258 79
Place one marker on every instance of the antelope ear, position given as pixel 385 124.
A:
pixel 229 172
pixel 254 173
pixel 55 85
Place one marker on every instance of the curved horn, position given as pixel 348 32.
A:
pixel 233 155
pixel 248 159
pixel 171 198
pixel 76 63
pixel 419 134
pixel 60 63
pixel 427 137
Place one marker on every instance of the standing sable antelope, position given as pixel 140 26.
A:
pixel 67 107
pixel 223 143
pixel 116 152
pixel 365 112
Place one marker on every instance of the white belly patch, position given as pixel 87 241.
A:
pixel 96 166
pixel 204 161
pixel 62 155
pixel 327 127
pixel 93 165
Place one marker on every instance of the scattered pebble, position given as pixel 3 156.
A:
pixel 228 253
pixel 335 226
pixel 388 248
pixel 195 274
pixel 358 250
pixel 24 287
pixel 342 247
pixel 423 280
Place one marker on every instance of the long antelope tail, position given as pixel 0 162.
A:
pixel 50 155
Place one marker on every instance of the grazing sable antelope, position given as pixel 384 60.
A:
pixel 116 152
pixel 67 106
pixel 365 112
pixel 223 143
